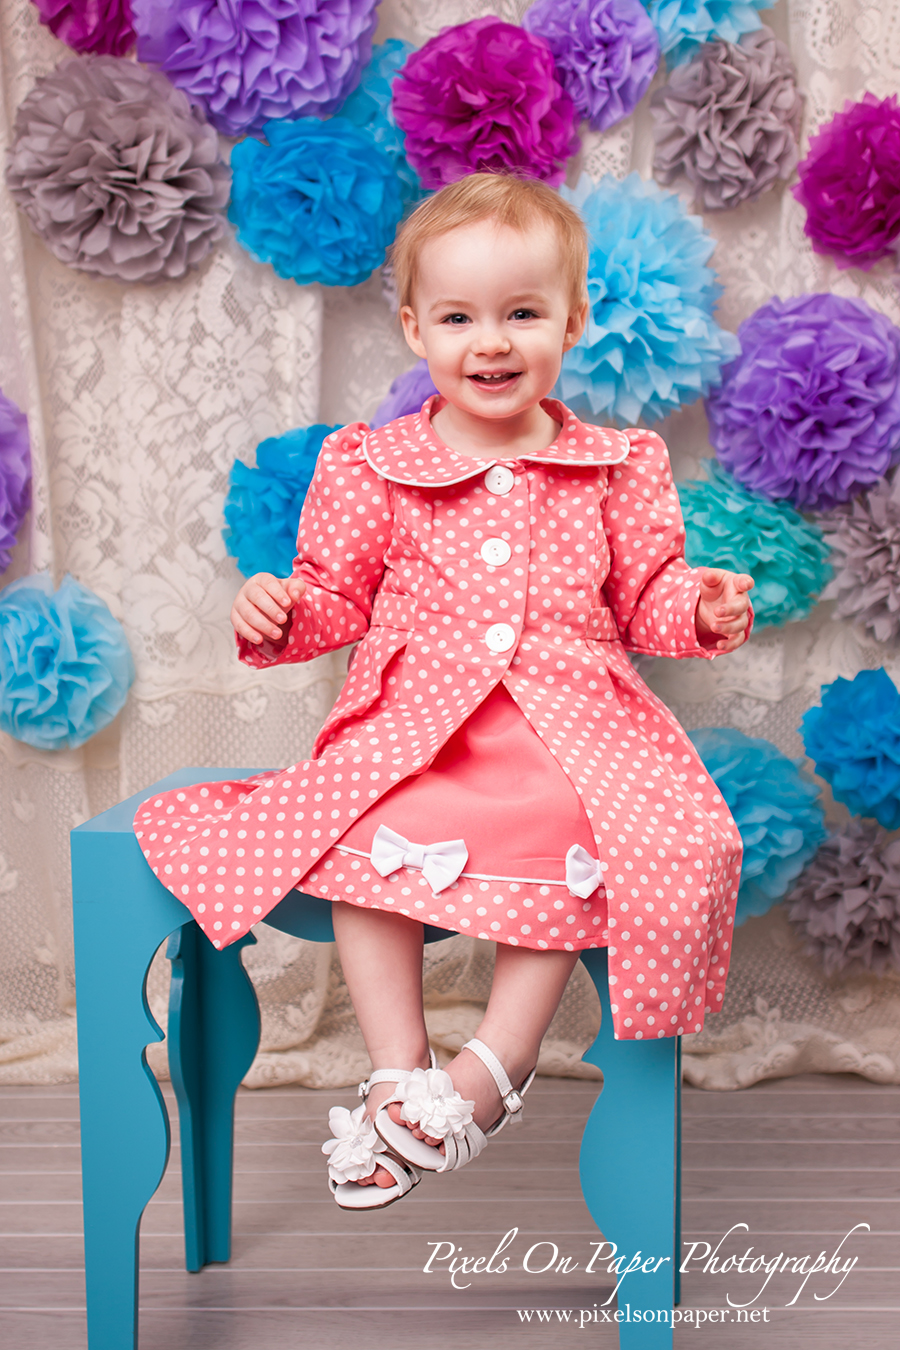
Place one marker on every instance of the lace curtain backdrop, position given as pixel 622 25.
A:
pixel 139 398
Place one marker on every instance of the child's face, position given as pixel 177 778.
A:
pixel 493 315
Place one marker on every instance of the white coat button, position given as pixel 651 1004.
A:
pixel 500 637
pixel 499 480
pixel 496 552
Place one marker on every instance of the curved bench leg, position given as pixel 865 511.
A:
pixel 213 1035
pixel 119 924
pixel 630 1166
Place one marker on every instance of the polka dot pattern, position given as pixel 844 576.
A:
pixel 392 548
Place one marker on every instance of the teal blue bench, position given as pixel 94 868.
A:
pixel 630 1152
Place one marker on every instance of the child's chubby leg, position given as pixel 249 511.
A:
pixel 381 956
pixel 525 994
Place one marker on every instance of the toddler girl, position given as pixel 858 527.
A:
pixel 494 765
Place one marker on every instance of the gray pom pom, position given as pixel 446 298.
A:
pixel 730 120
pixel 846 905
pixel 116 172
pixel 865 537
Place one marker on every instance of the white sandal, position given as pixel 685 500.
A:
pixel 430 1102
pixel 355 1152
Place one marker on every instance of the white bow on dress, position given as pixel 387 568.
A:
pixel 439 863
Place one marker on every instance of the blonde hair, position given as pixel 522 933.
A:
pixel 516 202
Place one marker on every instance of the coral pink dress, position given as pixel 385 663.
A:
pixel 494 764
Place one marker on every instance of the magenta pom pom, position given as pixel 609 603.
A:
pixel 484 97
pixel 850 183
pixel 606 53
pixel 102 26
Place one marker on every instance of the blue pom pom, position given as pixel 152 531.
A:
pixel 775 807
pixel 729 526
pixel 369 108
pixel 263 504
pixel 853 738
pixel 320 202
pixel 65 664
pixel 684 25
pixel 651 343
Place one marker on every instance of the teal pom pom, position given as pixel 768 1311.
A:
pixel 684 25
pixel 263 504
pixel 651 343
pixel 729 526
pixel 853 738
pixel 369 108
pixel 320 202
pixel 65 664
pixel 775 806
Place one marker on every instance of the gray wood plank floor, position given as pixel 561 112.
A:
pixel 800 1162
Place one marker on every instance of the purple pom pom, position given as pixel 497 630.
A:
pixel 484 97
pixel 15 475
pixel 810 410
pixel 850 183
pixel 102 26
pixel 406 395
pixel 606 53
pixel 246 61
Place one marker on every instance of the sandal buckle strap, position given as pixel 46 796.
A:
pixel 513 1105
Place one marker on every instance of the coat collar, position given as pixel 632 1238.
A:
pixel 409 451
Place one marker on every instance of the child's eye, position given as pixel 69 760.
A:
pixel 524 314
pixel 455 318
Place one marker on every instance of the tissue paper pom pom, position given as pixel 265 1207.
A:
pixel 865 537
pixel 484 98
pixel 846 905
pixel 810 410
pixel 406 395
pixel 369 108
pixel 102 26
pixel 651 343
pixel 115 171
pixel 854 740
pixel 850 183
pixel 606 53
pixel 775 807
pixel 729 121
pixel 246 61
pixel 683 25
pixel 320 202
pixel 15 475
pixel 263 504
pixel 727 526
pixel 65 665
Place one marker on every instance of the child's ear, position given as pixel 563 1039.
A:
pixel 411 330
pixel 575 325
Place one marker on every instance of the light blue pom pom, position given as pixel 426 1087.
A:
pixel 263 504
pixel 729 526
pixel 651 343
pixel 369 108
pixel 320 202
pixel 775 807
pixel 683 25
pixel 65 664
pixel 853 738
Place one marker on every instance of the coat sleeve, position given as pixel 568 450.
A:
pixel 344 532
pixel 650 589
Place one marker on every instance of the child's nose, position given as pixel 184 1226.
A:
pixel 492 341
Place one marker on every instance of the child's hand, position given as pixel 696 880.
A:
pixel 723 606
pixel 262 602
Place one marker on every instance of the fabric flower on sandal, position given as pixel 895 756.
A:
pixel 351 1153
pixel 431 1102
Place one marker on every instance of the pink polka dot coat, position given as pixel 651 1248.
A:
pixel 481 591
